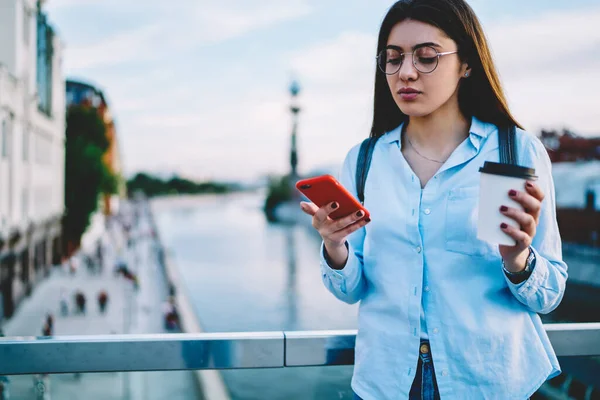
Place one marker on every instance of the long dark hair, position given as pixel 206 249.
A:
pixel 481 95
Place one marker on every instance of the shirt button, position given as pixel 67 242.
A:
pixel 419 249
pixel 436 330
pixel 427 288
pixel 427 211
pixel 445 372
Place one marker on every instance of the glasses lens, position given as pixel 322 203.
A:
pixel 389 61
pixel 425 59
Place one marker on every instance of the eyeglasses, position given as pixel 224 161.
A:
pixel 425 59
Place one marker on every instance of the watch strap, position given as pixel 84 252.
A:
pixel 521 276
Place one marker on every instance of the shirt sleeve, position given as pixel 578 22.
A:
pixel 543 291
pixel 347 284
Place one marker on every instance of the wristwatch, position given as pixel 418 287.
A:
pixel 518 277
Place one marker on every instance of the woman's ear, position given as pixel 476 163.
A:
pixel 466 72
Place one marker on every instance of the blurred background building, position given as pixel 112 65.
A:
pixel 32 129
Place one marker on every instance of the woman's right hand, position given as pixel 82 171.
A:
pixel 334 232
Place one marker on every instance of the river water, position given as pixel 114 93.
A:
pixel 245 274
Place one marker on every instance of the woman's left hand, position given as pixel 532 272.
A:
pixel 515 257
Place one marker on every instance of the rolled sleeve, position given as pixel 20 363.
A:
pixel 543 291
pixel 345 280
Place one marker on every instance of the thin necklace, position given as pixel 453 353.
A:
pixel 417 151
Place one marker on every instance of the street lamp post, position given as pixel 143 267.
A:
pixel 295 109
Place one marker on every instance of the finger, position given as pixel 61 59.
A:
pixel 339 235
pixel 308 208
pixel 526 221
pixel 522 238
pixel 342 223
pixel 528 202
pixel 323 212
pixel 535 190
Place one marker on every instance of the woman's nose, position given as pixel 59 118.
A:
pixel 407 70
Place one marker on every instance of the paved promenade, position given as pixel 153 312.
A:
pixel 127 311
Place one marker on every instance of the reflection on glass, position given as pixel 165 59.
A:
pixel 102 386
pixel 292 312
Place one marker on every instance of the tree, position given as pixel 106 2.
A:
pixel 86 175
pixel 152 186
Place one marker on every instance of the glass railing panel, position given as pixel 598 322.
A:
pixel 579 380
pixel 102 386
pixel 302 383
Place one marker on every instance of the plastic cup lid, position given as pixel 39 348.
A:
pixel 510 170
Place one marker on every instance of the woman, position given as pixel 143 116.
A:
pixel 431 293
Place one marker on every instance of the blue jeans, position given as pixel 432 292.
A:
pixel 424 387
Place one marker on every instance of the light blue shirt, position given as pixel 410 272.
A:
pixel 420 255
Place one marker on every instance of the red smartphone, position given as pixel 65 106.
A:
pixel 325 189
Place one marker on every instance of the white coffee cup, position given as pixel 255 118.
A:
pixel 495 183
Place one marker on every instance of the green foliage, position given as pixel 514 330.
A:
pixel 85 172
pixel 152 186
pixel 110 182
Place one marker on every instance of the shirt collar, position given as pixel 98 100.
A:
pixel 478 131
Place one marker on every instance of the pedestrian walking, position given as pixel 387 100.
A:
pixel 102 301
pixel 47 328
pixel 80 302
pixel 64 303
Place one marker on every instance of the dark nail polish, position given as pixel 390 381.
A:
pixel 512 193
pixel 503 208
pixel 368 220
pixel 334 205
pixel 359 214
pixel 529 185
pixel 503 226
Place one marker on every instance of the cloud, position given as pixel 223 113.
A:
pixel 176 27
pixel 549 66
pixel 550 42
pixel 217 22
pixel 118 49
pixel 240 138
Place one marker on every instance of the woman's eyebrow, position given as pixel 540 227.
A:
pixel 416 46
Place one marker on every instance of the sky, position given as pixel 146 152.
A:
pixel 201 87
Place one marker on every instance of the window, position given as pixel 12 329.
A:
pixel 4 143
pixel 25 203
pixel 45 37
pixel 43 149
pixel 25 145
pixel 70 98
pixel 26 25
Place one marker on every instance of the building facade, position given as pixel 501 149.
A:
pixel 86 95
pixel 32 134
pixel 576 173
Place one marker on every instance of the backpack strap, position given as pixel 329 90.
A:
pixel 507 144
pixel 363 163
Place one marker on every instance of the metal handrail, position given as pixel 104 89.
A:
pixel 167 352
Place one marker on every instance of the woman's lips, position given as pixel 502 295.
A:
pixel 409 95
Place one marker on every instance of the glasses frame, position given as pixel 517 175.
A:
pixel 403 56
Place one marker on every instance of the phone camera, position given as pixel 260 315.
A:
pixel 305 186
